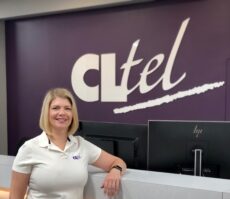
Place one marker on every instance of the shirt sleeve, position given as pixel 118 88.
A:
pixel 22 161
pixel 92 150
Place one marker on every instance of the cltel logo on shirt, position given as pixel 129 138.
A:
pixel 76 157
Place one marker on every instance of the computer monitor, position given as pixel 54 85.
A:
pixel 200 148
pixel 127 141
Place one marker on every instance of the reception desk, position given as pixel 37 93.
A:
pixel 5 175
pixel 137 184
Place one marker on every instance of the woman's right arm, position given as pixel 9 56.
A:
pixel 19 183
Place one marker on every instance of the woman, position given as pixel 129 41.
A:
pixel 53 165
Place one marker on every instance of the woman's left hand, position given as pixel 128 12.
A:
pixel 111 182
pixel 115 167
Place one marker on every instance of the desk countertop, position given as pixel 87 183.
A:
pixel 142 184
pixel 170 179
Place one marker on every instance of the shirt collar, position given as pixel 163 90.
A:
pixel 73 139
pixel 44 140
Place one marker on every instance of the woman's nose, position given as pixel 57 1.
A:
pixel 61 111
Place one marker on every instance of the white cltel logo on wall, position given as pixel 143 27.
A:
pixel 108 91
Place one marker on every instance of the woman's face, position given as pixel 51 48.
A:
pixel 60 114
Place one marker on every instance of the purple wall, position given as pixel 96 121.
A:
pixel 42 51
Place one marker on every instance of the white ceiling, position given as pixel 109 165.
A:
pixel 21 8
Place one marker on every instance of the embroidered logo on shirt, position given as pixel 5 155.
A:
pixel 76 157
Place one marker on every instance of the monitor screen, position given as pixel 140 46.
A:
pixel 127 141
pixel 190 147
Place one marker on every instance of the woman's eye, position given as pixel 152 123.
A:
pixel 63 108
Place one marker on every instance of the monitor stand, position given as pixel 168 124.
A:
pixel 197 162
pixel 197 168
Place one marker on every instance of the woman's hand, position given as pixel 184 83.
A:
pixel 111 182
pixel 115 167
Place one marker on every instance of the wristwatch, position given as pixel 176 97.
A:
pixel 117 167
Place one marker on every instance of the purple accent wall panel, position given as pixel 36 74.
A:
pixel 128 64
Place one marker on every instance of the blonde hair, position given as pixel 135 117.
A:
pixel 49 97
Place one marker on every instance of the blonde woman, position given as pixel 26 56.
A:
pixel 53 165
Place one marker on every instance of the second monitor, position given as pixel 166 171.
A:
pixel 190 147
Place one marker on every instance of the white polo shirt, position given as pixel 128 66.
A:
pixel 56 174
